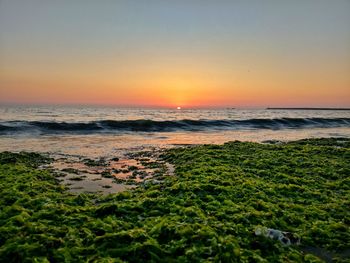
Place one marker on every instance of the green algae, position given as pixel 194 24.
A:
pixel 107 174
pixel 207 212
pixel 29 159
pixel 99 162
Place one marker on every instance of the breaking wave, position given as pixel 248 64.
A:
pixel 117 126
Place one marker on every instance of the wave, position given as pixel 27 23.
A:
pixel 115 126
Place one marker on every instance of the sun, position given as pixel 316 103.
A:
pixel 179 108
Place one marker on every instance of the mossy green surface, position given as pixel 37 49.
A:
pixel 207 212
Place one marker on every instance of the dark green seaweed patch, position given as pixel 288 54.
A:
pixel 99 162
pixel 30 159
pixel 107 174
pixel 77 178
pixel 207 212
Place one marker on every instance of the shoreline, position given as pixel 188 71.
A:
pixel 208 210
pixel 105 145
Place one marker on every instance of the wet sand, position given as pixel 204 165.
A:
pixel 81 174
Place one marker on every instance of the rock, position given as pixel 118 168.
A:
pixel 286 238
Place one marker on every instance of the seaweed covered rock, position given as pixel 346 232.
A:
pixel 27 158
pixel 208 212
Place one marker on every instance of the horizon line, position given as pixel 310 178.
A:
pixel 170 107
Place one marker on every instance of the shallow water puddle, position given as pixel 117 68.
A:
pixel 116 174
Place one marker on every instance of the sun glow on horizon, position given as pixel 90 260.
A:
pixel 237 58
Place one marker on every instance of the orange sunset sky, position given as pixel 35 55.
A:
pixel 176 53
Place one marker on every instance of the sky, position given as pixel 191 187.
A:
pixel 188 53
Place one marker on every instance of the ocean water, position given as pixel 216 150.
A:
pixel 101 131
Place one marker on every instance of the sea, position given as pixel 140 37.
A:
pixel 94 131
